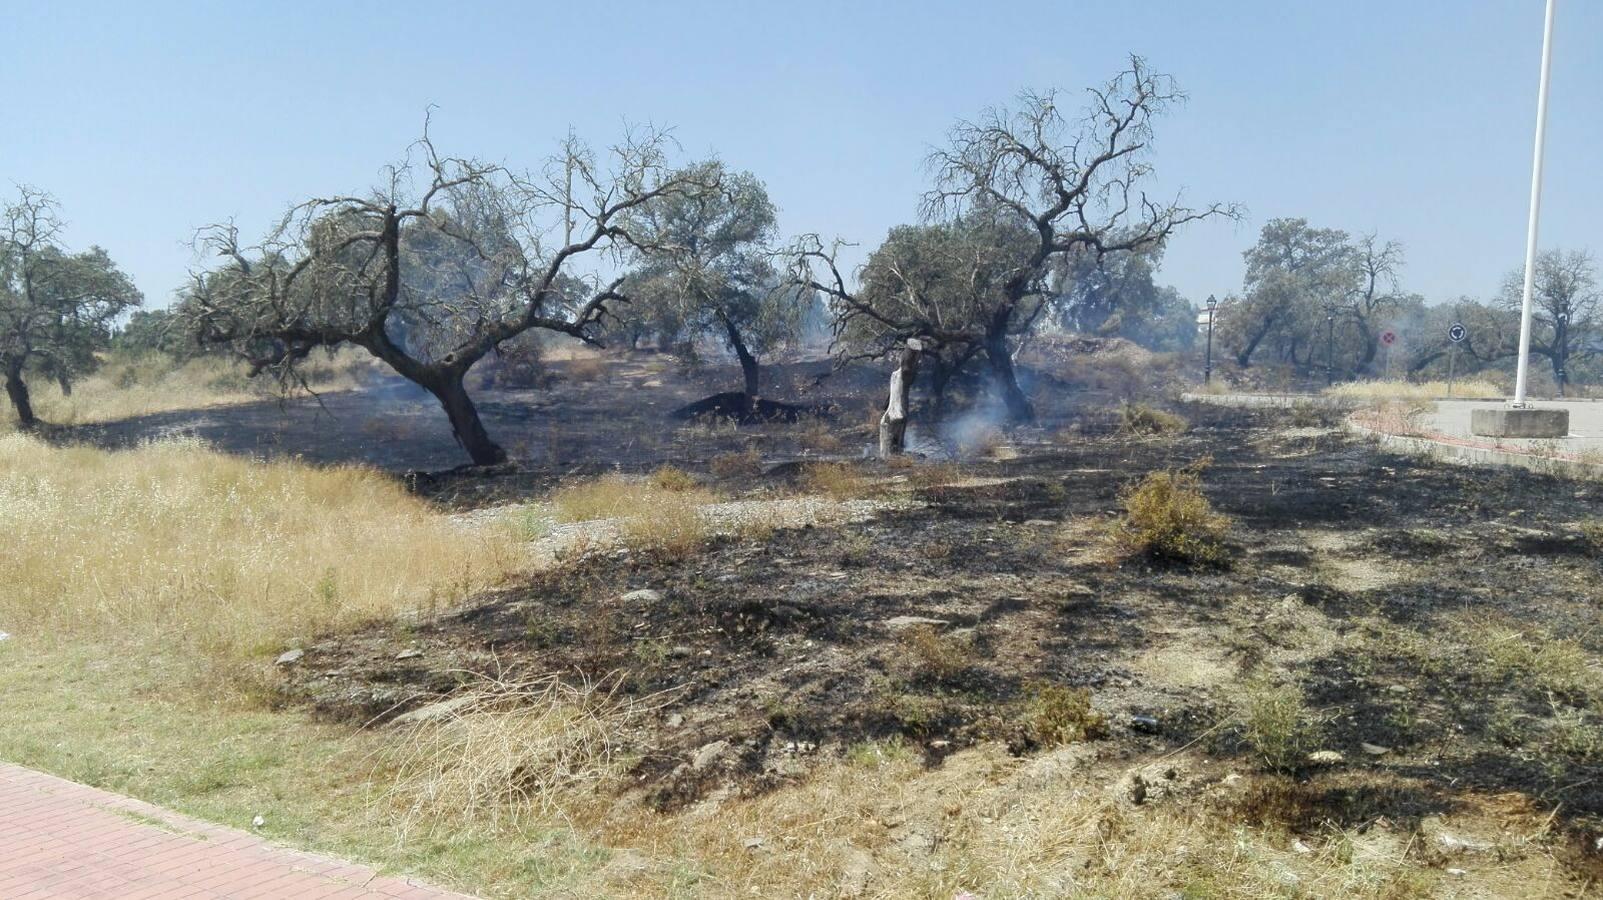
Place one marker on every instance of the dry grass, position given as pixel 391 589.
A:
pixel 1168 518
pixel 841 481
pixel 510 749
pixel 661 513
pixel 734 465
pixel 820 437
pixel 939 656
pixel 1142 419
pixel 1409 390
pixel 139 386
pixel 222 557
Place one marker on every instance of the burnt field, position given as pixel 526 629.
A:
pixel 1391 648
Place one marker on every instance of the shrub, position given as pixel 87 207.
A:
pixel 940 656
pixel 669 478
pixel 1168 518
pixel 1274 723
pixel 1056 714
pixel 1139 418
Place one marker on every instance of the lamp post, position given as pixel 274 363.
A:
pixel 1519 418
pixel 1536 210
pixel 1330 345
pixel 1207 367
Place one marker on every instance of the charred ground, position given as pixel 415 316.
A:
pixel 1413 602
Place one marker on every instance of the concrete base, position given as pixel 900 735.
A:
pixel 1505 422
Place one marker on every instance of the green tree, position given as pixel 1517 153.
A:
pixel 1293 272
pixel 56 307
pixel 716 273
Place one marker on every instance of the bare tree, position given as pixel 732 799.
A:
pixel 1565 325
pixel 437 267
pixel 1073 184
pixel 1375 294
pixel 56 307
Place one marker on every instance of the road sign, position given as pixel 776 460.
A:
pixel 1388 337
pixel 1456 332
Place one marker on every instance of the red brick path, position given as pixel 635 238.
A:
pixel 59 839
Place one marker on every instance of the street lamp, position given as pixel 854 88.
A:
pixel 1330 345
pixel 1519 419
pixel 1207 368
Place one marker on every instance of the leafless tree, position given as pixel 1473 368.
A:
pixel 1565 324
pixel 1375 293
pixel 438 266
pixel 1066 184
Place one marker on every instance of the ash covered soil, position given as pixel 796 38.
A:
pixel 1440 620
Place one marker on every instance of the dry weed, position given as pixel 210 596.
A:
pixel 506 748
pixel 221 556
pixel 1167 517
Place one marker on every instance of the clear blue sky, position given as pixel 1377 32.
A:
pixel 1412 119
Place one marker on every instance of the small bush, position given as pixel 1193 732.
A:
pixel 1275 724
pixel 940 656
pixel 1055 714
pixel 1139 418
pixel 1167 517
pixel 669 478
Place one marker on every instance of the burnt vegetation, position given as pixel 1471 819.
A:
pixel 981 516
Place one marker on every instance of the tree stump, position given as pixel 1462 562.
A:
pixel 893 424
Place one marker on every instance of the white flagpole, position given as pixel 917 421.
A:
pixel 1536 210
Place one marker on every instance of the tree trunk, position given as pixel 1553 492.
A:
pixel 65 382
pixel 893 424
pixel 1019 409
pixel 466 425
pixel 17 390
pixel 1244 358
pixel 748 363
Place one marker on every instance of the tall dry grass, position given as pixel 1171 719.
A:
pixel 1410 390
pixel 129 386
pixel 175 545
pixel 660 513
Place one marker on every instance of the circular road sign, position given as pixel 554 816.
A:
pixel 1456 332
pixel 1388 337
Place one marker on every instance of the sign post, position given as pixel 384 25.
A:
pixel 1387 338
pixel 1455 336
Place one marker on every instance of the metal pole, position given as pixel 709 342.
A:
pixel 1536 209
pixel 1207 367
pixel 1330 349
pixel 1452 357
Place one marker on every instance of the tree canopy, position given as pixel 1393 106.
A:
pixel 56 307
